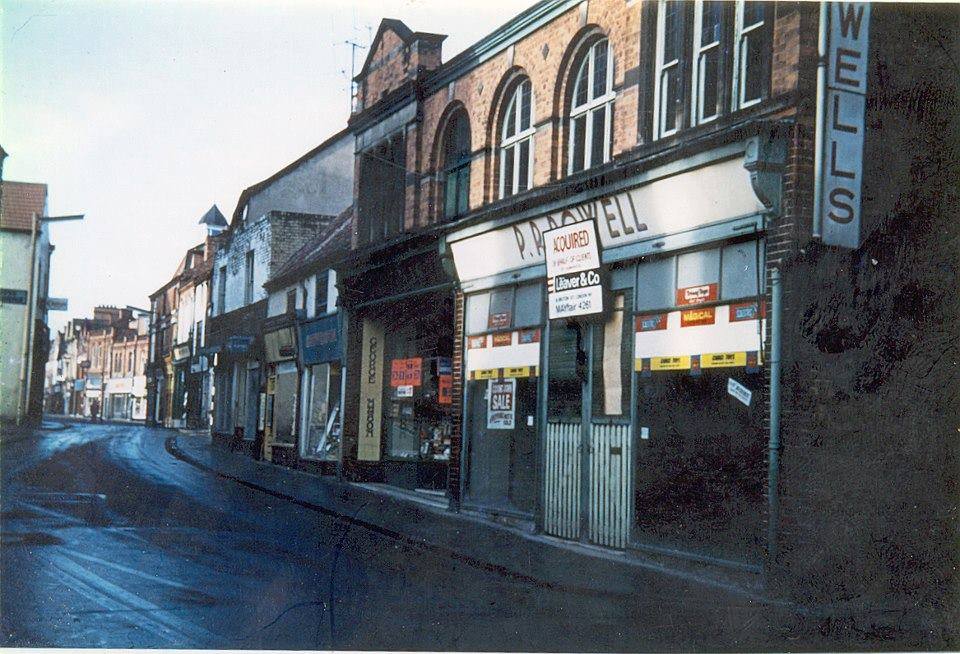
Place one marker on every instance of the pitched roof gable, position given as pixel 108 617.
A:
pixel 18 202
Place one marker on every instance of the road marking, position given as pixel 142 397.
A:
pixel 112 596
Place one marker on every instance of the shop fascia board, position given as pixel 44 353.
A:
pixel 686 164
pixel 754 223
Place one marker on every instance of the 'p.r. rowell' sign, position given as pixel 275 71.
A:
pixel 841 156
pixel 572 256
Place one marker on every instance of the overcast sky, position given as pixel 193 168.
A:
pixel 143 114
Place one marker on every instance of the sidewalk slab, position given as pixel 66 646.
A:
pixel 539 560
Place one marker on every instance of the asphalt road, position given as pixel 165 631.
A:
pixel 109 541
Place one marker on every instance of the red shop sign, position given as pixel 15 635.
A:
pixel 406 372
pixel 697 294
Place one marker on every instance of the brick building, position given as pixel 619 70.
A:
pixel 747 391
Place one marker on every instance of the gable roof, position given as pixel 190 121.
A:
pixel 293 165
pixel 18 202
pixel 399 28
pixel 332 241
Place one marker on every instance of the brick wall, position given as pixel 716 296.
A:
pixel 869 471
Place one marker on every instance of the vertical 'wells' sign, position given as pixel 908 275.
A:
pixel 844 101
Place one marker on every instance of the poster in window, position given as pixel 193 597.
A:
pixel 406 372
pixel 501 404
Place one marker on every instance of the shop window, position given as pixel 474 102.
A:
pixel 516 141
pixel 740 276
pixel 698 268
pixel 591 108
pixel 285 404
pixel 613 359
pixel 240 398
pixel 711 57
pixel 568 361
pixel 321 433
pixel 478 311
pixel 528 305
pixel 656 284
pixel 456 166
pixel 382 194
pixel 508 307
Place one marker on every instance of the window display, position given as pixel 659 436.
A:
pixel 321 432
pixel 698 333
pixel 503 363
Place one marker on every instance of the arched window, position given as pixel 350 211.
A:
pixel 516 141
pixel 456 166
pixel 591 108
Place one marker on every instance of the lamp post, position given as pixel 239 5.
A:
pixel 26 360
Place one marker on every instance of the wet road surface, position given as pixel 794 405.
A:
pixel 109 541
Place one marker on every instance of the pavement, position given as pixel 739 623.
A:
pixel 513 552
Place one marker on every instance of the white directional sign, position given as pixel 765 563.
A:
pixel 844 101
pixel 573 270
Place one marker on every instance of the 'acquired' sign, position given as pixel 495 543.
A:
pixel 573 270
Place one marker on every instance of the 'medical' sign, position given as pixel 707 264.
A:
pixel 573 270
pixel 841 157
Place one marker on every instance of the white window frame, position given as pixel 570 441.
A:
pixel 510 146
pixel 591 107
pixel 699 51
pixel 661 66
pixel 741 32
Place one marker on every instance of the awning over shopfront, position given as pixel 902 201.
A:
pixel 320 340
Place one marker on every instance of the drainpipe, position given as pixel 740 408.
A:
pixel 26 349
pixel 773 473
pixel 818 130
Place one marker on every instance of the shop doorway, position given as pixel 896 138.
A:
pixel 587 450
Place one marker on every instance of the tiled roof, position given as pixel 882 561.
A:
pixel 332 241
pixel 18 202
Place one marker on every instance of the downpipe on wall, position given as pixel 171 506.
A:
pixel 773 472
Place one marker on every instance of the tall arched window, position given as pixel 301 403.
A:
pixel 516 141
pixel 591 108
pixel 456 166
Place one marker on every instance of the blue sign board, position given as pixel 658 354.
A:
pixel 239 343
pixel 320 340
pixel 13 296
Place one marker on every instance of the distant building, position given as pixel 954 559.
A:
pixel 178 378
pixel 24 286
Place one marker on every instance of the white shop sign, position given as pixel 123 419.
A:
pixel 739 391
pixel 573 270
pixel 501 404
pixel 841 157
pixel 669 205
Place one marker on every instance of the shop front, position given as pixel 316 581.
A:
pixel 399 408
pixel 321 392
pixel 280 401
pixel 235 343
pixel 619 401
